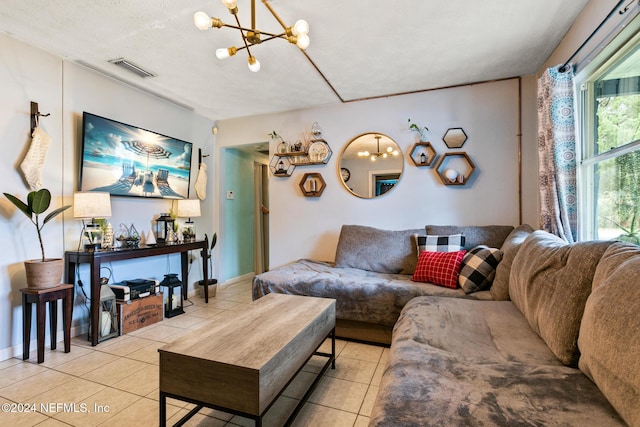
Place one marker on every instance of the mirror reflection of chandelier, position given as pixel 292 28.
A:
pixel 297 34
pixel 375 155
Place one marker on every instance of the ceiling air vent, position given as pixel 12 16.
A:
pixel 129 66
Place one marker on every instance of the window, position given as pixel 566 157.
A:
pixel 609 175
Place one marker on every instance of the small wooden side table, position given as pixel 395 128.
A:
pixel 41 297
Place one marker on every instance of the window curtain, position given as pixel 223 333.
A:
pixel 557 153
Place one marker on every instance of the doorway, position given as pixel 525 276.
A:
pixel 261 218
pixel 245 199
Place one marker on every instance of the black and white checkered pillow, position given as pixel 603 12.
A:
pixel 433 243
pixel 479 268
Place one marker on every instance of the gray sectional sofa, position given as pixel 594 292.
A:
pixel 371 276
pixel 555 341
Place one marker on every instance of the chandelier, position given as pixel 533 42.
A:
pixel 298 34
pixel 375 155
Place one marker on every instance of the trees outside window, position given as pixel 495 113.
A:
pixel 610 169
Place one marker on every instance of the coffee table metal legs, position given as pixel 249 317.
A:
pixel 331 362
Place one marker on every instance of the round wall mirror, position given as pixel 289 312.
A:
pixel 371 165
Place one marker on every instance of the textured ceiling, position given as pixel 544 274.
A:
pixel 364 48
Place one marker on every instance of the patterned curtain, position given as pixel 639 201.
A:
pixel 557 153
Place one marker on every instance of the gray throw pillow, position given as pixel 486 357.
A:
pixel 373 249
pixel 475 235
pixel 500 288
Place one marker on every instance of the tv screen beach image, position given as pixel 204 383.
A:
pixel 128 161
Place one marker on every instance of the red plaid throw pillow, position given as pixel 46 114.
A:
pixel 439 268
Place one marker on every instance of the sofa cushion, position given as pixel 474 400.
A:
pixel 609 341
pixel 475 235
pixel 478 363
pixel 362 296
pixel 439 268
pixel 500 287
pixel 372 249
pixel 478 268
pixel 452 243
pixel 549 283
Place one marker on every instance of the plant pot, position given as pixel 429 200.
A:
pixel 212 287
pixel 47 274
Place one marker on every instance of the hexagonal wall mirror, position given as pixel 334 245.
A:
pixel 454 137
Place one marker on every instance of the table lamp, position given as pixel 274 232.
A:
pixel 188 208
pixel 91 205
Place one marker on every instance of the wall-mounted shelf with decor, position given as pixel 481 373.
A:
pixel 318 153
pixel 281 166
pixel 455 168
pixel 423 154
pixel 312 184
pixel 454 137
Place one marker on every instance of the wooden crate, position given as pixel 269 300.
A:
pixel 139 313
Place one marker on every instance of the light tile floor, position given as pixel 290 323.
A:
pixel 116 382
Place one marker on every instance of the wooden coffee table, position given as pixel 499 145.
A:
pixel 242 363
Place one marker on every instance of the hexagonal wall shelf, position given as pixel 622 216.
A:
pixel 312 184
pixel 454 137
pixel 455 168
pixel 281 166
pixel 423 154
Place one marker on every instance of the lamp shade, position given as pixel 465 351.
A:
pixel 91 204
pixel 188 208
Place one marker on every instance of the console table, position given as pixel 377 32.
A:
pixel 95 259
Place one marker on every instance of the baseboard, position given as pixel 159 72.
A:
pixel 229 282
pixel 16 350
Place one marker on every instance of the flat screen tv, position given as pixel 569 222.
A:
pixel 125 160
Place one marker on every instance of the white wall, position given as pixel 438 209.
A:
pixel 308 228
pixel 66 90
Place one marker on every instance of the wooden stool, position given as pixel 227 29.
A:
pixel 41 297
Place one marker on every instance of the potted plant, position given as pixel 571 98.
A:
pixel 282 147
pixel 208 256
pixel 421 132
pixel 44 272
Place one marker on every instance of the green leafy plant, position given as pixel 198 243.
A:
pixel 37 204
pixel 275 135
pixel 631 234
pixel 420 131
pixel 214 240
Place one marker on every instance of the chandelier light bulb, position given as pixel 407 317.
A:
pixel 373 158
pixel 303 41
pixel 230 4
pixel 297 34
pixel 254 64
pixel 395 152
pixel 202 21
pixel 300 27
pixel 222 53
